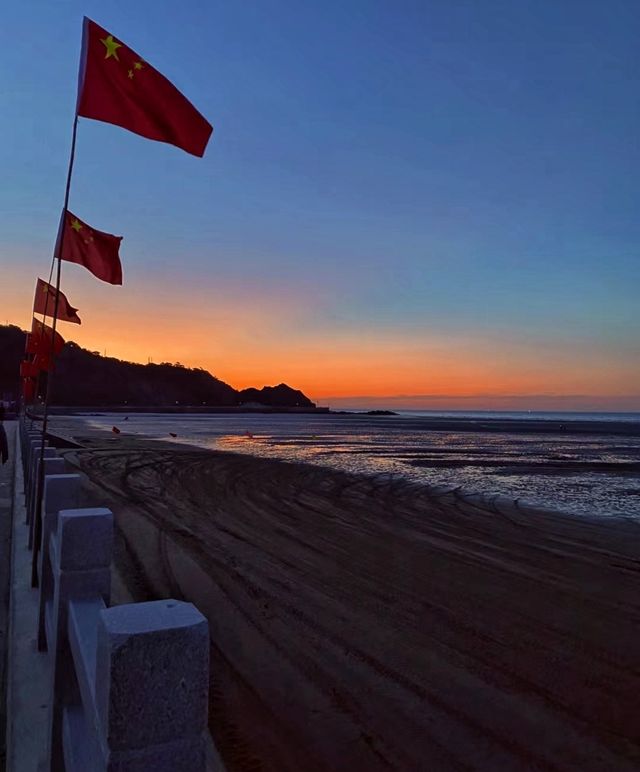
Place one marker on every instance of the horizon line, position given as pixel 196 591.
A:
pixel 542 395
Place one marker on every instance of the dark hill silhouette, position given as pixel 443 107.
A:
pixel 84 378
pixel 278 396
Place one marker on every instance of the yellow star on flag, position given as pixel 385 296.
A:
pixel 76 225
pixel 137 65
pixel 112 47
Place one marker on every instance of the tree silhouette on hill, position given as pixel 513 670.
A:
pixel 85 378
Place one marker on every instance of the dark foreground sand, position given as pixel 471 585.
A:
pixel 363 624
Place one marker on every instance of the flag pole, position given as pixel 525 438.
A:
pixel 37 514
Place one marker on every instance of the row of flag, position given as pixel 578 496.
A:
pixel 115 86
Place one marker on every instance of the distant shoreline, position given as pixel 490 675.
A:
pixel 182 409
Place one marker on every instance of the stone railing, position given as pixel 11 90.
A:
pixel 128 684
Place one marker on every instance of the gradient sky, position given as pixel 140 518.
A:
pixel 400 198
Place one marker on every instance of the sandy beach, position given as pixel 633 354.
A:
pixel 364 623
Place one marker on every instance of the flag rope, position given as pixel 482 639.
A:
pixel 37 514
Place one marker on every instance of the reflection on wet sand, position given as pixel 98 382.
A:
pixel 568 463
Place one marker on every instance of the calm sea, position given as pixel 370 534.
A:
pixel 578 462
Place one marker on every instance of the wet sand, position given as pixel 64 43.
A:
pixel 363 623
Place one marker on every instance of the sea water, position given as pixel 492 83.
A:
pixel 577 471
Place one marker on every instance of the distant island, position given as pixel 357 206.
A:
pixel 85 378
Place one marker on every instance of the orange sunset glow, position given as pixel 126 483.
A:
pixel 269 339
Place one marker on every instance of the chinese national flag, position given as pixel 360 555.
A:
pixel 95 250
pixel 28 389
pixel 44 302
pixel 32 344
pixel 40 339
pixel 28 369
pixel 117 86
pixel 43 362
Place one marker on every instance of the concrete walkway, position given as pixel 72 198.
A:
pixel 6 506
pixel 27 668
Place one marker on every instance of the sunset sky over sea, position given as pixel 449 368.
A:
pixel 431 198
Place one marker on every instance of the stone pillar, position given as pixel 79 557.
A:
pixel 34 442
pixel 53 464
pixel 152 677
pixel 82 552
pixel 26 450
pixel 34 460
pixel 61 491
pixel 25 443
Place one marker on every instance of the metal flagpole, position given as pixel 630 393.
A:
pixel 37 514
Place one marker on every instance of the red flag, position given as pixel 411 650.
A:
pixel 43 361
pixel 28 369
pixel 32 344
pixel 117 86
pixel 44 302
pixel 95 250
pixel 40 339
pixel 28 389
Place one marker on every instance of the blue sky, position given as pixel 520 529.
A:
pixel 386 171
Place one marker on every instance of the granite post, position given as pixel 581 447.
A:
pixel 61 491
pixel 152 677
pixel 81 565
